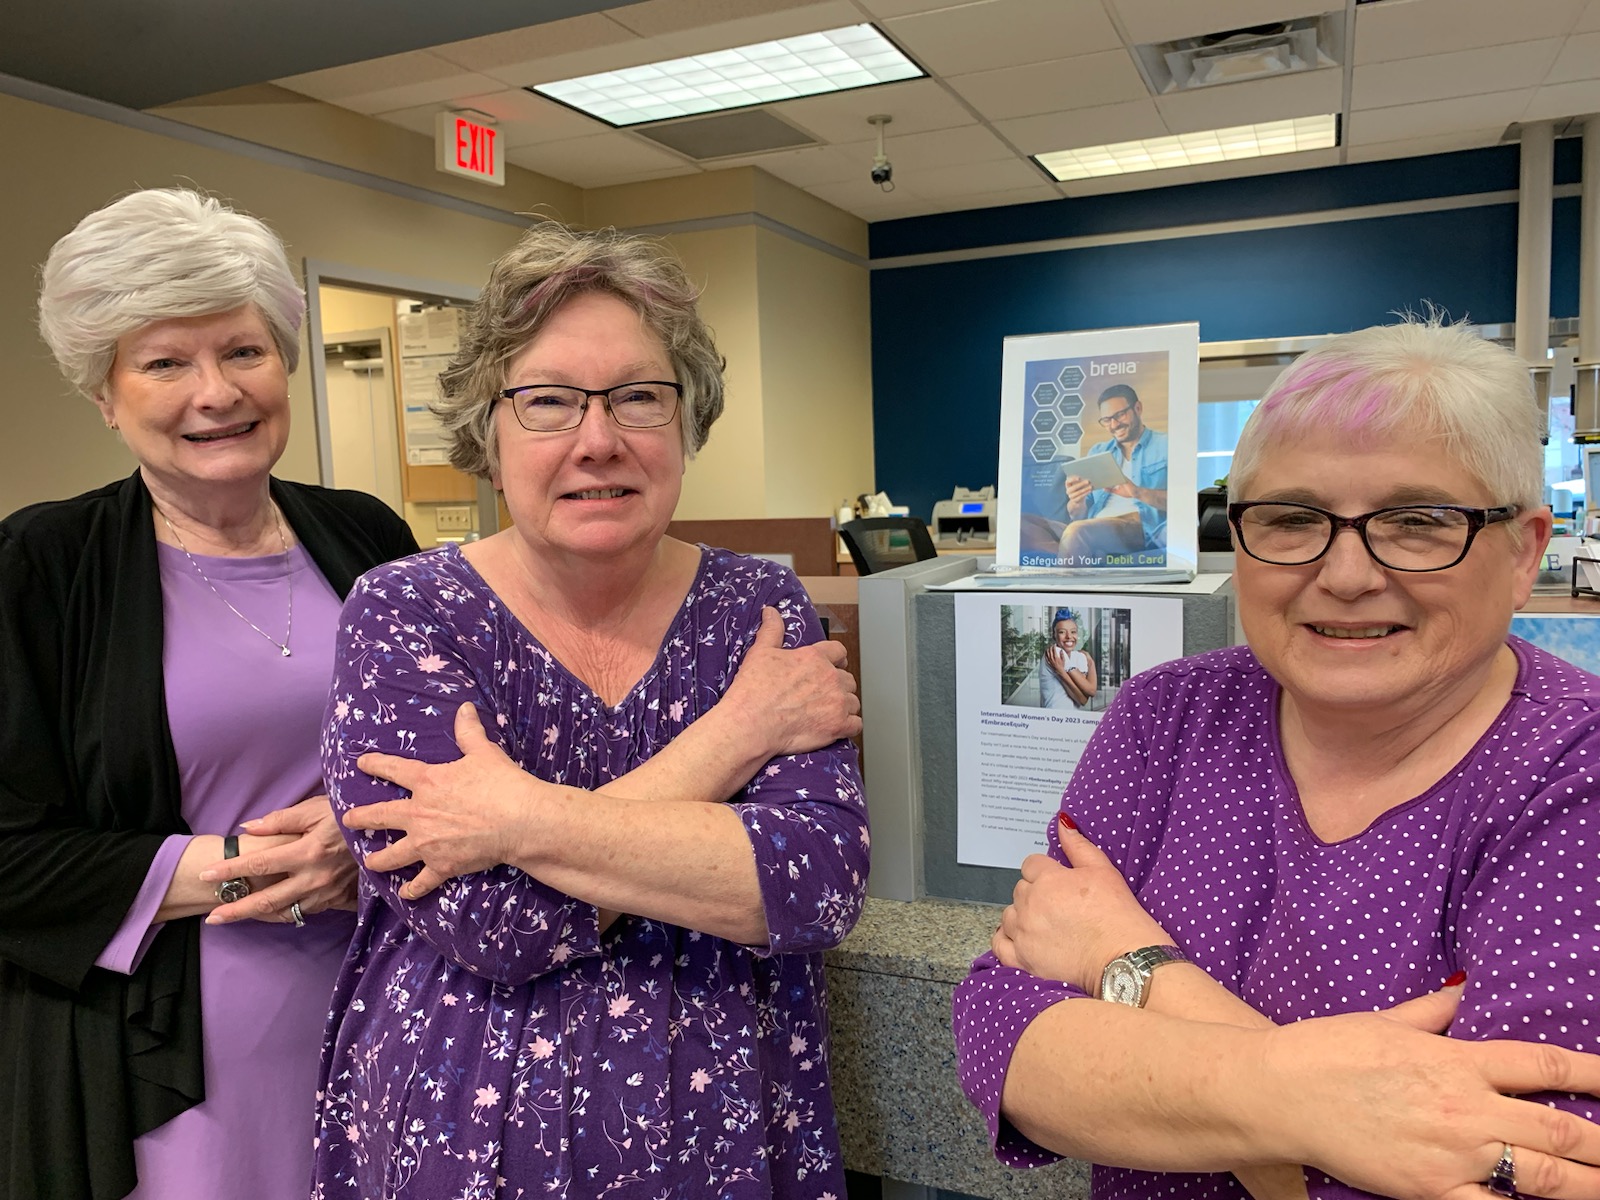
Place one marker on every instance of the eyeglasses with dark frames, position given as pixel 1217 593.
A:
pixel 1116 417
pixel 1403 537
pixel 555 408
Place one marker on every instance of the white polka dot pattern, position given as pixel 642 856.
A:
pixel 1493 871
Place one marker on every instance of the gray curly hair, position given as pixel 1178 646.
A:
pixel 152 256
pixel 547 267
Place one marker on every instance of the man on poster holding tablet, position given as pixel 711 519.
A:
pixel 1108 517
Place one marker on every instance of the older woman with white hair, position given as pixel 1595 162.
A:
pixel 165 648
pixel 1282 869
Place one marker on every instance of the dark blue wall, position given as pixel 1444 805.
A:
pixel 937 330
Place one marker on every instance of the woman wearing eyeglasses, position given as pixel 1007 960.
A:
pixel 589 950
pixel 1284 868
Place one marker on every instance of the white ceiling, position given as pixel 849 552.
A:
pixel 1009 78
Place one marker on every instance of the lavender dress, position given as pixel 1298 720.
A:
pixel 488 1041
pixel 244 723
pixel 1492 870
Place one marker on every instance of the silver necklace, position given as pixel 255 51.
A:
pixel 288 579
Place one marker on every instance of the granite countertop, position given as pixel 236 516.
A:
pixel 923 939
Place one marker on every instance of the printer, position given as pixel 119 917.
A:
pixel 966 519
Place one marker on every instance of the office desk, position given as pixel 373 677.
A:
pixel 847 567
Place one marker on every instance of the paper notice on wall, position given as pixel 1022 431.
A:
pixel 426 444
pixel 1035 672
pixel 436 331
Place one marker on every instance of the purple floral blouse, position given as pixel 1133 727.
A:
pixel 487 1040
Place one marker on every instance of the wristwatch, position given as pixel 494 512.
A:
pixel 1126 979
pixel 230 890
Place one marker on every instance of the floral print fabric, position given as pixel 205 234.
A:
pixel 486 1040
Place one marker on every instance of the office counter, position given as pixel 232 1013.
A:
pixel 902 1115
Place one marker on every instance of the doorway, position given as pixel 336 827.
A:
pixel 378 342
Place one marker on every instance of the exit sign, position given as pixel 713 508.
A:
pixel 468 148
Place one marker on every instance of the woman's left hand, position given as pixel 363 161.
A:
pixel 314 870
pixel 1068 922
pixel 461 816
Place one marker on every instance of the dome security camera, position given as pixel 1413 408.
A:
pixel 882 168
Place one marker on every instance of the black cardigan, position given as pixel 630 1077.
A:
pixel 89 789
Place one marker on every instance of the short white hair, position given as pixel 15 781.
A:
pixel 1421 378
pixel 152 256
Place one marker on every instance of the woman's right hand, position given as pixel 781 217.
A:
pixel 1381 1102
pixel 794 700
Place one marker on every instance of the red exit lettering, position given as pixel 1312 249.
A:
pixel 466 147
pixel 474 148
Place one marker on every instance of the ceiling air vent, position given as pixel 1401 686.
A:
pixel 1235 55
pixel 748 131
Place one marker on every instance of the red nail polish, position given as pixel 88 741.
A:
pixel 1068 821
pixel 1456 980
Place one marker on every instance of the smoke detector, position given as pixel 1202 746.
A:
pixel 1237 55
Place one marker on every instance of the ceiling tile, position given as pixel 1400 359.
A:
pixel 1441 143
pixel 902 8
pixel 1003 199
pixel 1308 94
pixel 1436 117
pixel 1422 27
pixel 444 91
pixel 1164 21
pixel 866 200
pixel 926 151
pixel 524 119
pixel 600 161
pixel 1003 33
pixel 807 167
pixel 1579 59
pixel 917 105
pixel 337 84
pixel 1446 76
pixel 971 179
pixel 1564 100
pixel 1079 82
pixel 1589 22
pixel 1099 126
pixel 537 41
pixel 763 26
pixel 652 18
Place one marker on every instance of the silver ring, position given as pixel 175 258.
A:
pixel 1502 1180
pixel 299 917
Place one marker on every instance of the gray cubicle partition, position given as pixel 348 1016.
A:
pixel 908 682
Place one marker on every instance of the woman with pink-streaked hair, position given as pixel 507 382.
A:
pixel 1284 869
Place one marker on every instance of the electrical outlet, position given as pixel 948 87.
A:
pixel 453 518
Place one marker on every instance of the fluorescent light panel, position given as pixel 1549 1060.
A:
pixel 1192 149
pixel 834 60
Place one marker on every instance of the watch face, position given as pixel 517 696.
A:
pixel 1122 984
pixel 230 890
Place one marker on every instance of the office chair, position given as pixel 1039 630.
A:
pixel 1215 535
pixel 879 543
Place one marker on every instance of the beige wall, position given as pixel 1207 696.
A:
pixel 727 478
pixel 792 320
pixel 345 310
pixel 816 377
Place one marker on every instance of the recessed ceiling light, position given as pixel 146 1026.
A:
pixel 1191 149
pixel 834 60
